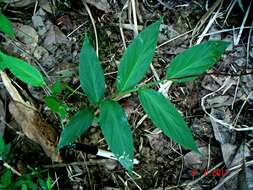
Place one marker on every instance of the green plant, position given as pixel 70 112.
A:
pixel 31 181
pixel 8 181
pixel 6 26
pixel 22 70
pixel 54 103
pixel 132 68
pixel 31 76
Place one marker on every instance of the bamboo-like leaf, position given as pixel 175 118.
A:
pixel 57 106
pixel 49 182
pixel 57 87
pixel 2 64
pixel 137 58
pixel 24 187
pixel 5 179
pixel 91 73
pixel 117 132
pixel 5 25
pixel 2 147
pixel 195 61
pixel 165 116
pixel 22 70
pixel 77 125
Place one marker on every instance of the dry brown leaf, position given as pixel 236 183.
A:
pixel 30 121
pixel 100 4
pixel 35 128
pixel 27 35
pixel 45 4
pixel 54 36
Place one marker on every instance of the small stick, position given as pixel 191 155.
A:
pixel 93 23
pixel 12 169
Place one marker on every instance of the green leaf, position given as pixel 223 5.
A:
pixel 56 106
pixel 6 25
pixel 49 182
pixel 31 184
pixel 57 87
pixel 2 147
pixel 46 185
pixel 18 183
pixel 195 61
pixel 2 64
pixel 77 125
pixel 24 187
pixel 22 70
pixel 117 132
pixel 91 73
pixel 165 116
pixel 5 180
pixel 137 58
pixel 43 184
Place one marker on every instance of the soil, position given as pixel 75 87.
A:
pixel 163 163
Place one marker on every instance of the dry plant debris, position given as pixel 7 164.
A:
pixel 218 106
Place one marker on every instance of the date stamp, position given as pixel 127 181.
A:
pixel 219 172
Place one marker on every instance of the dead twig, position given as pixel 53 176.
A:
pixel 93 23
pixel 134 17
pixel 12 169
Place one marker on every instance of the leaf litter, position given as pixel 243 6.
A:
pixel 162 163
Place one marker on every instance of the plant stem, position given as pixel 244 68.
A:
pixel 74 91
pixel 150 84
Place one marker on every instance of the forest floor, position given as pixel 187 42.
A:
pixel 217 106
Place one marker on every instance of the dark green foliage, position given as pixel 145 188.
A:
pixel 117 132
pixel 133 66
pixel 91 73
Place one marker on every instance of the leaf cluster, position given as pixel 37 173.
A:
pixel 21 69
pixel 132 68
pixel 26 181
